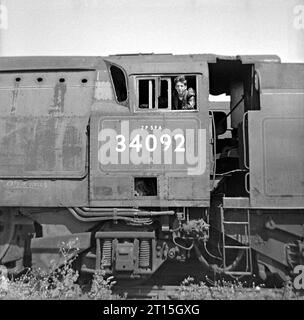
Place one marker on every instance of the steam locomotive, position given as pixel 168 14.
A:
pixel 95 156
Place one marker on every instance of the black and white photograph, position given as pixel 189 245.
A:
pixel 151 150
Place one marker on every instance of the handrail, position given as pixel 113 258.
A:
pixel 214 148
pixel 247 182
pixel 244 141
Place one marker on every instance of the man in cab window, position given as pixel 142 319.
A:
pixel 183 98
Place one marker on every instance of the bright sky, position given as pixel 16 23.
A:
pixel 102 27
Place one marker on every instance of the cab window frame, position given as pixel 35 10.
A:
pixel 125 102
pixel 155 93
pixel 158 78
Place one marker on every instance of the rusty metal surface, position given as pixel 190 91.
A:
pixel 43 123
pixel 43 147
pixel 43 136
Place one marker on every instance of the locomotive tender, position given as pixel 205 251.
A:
pixel 93 153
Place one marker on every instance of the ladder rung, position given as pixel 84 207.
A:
pixel 237 247
pixel 244 245
pixel 236 222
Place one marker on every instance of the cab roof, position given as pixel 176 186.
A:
pixel 32 63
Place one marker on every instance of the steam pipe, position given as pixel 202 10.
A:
pixel 105 218
pixel 106 212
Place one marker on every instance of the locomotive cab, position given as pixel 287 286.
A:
pixel 152 156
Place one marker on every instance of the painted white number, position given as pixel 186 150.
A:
pixel 166 140
pixel 121 142
pixel 154 143
pixel 151 142
pixel 180 146
pixel 135 143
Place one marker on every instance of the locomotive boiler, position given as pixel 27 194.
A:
pixel 94 153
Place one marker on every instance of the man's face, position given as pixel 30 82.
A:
pixel 180 88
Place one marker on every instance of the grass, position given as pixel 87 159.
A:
pixel 59 283
pixel 62 285
pixel 224 290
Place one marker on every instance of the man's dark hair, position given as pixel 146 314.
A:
pixel 180 79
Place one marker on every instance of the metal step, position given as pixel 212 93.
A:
pixel 236 222
pixel 237 247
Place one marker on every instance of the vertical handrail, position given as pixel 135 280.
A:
pixel 247 183
pixel 249 240
pixel 223 236
pixel 214 147
pixel 150 94
pixel 247 243
pixel 244 140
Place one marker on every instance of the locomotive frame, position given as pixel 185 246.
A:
pixel 232 193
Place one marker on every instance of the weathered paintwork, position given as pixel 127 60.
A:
pixel 113 183
pixel 275 138
pixel 53 108
pixel 43 137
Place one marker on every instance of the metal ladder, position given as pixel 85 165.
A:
pixel 246 246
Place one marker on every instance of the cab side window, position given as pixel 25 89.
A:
pixel 173 92
pixel 146 93
pixel 119 82
pixel 165 96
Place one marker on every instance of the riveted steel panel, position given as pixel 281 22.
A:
pixel 43 123
pixel 43 136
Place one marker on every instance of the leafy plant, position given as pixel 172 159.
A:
pixel 60 282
